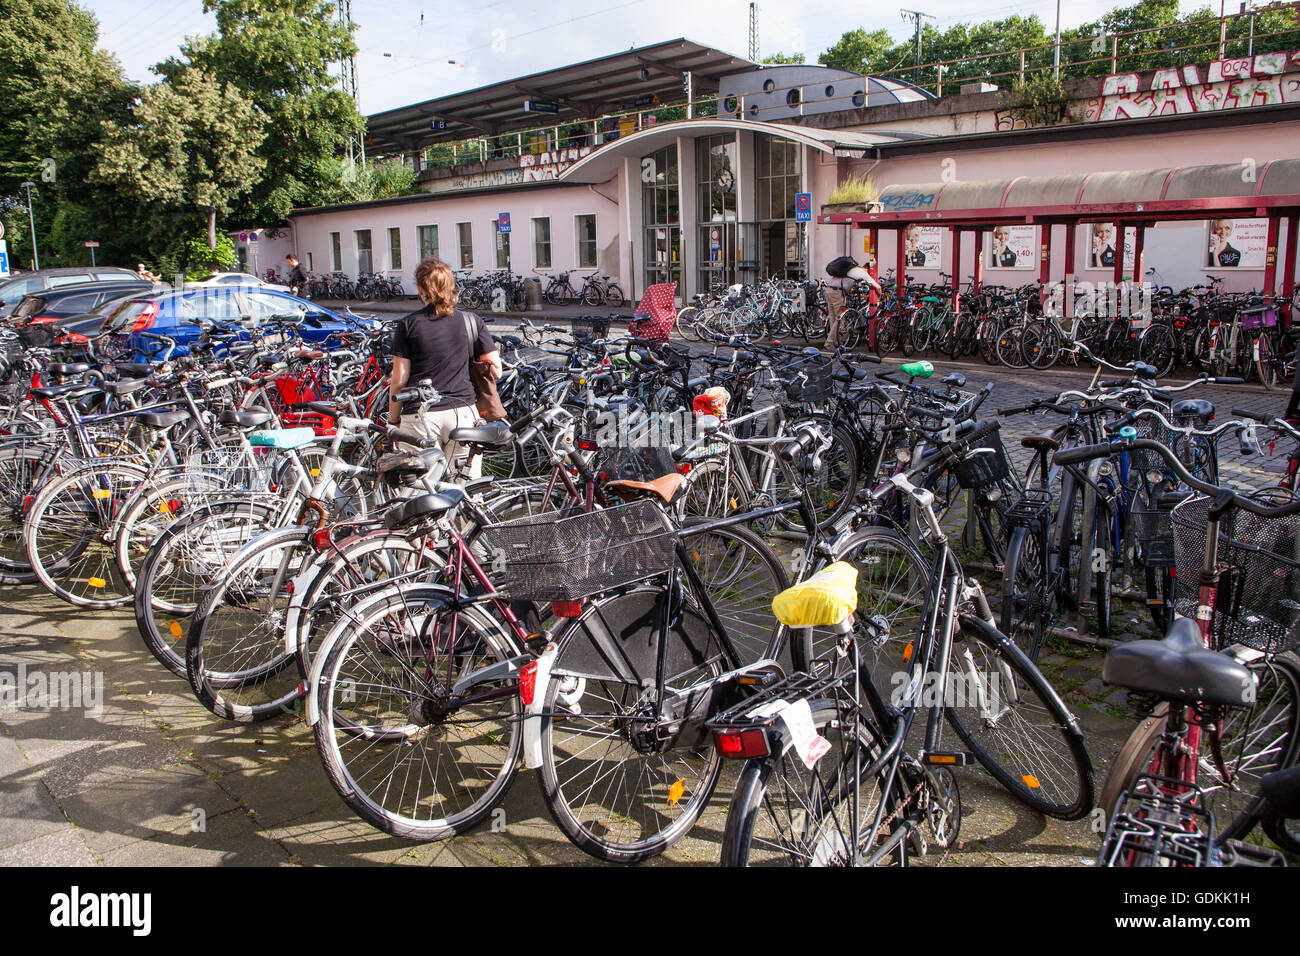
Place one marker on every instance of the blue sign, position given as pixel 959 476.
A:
pixel 540 106
pixel 4 263
pixel 437 124
pixel 503 222
pixel 803 207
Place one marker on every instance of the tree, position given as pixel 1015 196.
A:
pixel 782 58
pixel 278 53
pixel 862 52
pixel 341 181
pixel 191 146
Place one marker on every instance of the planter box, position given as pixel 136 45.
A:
pixel 832 208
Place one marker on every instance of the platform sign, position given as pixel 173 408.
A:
pixel 2 230
pixel 540 106
pixel 4 258
pixel 437 124
pixel 803 207
pixel 503 222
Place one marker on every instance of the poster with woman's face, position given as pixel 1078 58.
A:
pixel 1237 244
pixel 1012 247
pixel 1099 244
pixel 922 246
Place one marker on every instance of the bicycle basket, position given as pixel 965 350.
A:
pixel 809 381
pixel 229 471
pixel 1258 603
pixel 985 469
pixel 1153 529
pixel 565 557
pixel 594 326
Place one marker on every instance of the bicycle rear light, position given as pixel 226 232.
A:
pixel 737 744
pixel 528 683
pixel 566 608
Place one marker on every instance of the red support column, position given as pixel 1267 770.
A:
pixel 979 262
pixel 900 267
pixel 1119 253
pixel 874 268
pixel 1044 262
pixel 1270 255
pixel 1071 230
pixel 956 267
pixel 1139 240
pixel 1288 264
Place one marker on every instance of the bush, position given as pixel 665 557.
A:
pixel 200 261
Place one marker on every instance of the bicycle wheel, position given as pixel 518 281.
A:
pixel 1024 606
pixel 1158 348
pixel 403 752
pixel 686 324
pixel 1040 345
pixel 1017 726
pixel 850 328
pixel 615 788
pixel 184 559
pixel 21 467
pixel 614 296
pixel 783 813
pixel 832 489
pixel 1255 742
pixel 236 657
pixel 713 490
pixel 68 534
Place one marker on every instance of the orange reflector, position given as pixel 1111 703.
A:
pixel 315 472
pixel 941 758
pixel 102 493
pixel 675 792
pixel 96 582
pixel 165 507
pixel 1031 781
pixel 175 628
pixel 907 652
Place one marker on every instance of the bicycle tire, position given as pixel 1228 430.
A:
pixel 369 721
pixel 1017 592
pixel 1058 784
pixel 783 813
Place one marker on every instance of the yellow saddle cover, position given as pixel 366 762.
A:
pixel 826 598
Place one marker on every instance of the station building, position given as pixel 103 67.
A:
pixel 679 162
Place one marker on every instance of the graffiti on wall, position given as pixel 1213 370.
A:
pixel 1264 80
pixel 904 201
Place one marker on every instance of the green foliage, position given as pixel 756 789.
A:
pixel 341 181
pixel 859 188
pixel 782 58
pixel 190 147
pixel 201 261
pixel 278 54
pixel 1040 100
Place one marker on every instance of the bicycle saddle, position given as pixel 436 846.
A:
pixel 125 386
pixel 955 379
pixel 402 467
pixel 825 599
pixel 162 419
pixel 55 391
pixel 134 369
pixel 1143 370
pixel 249 419
pixel 1043 440
pixel 421 508
pixel 1194 408
pixel 493 434
pixel 65 368
pixel 1180 668
pixel 667 487
pixel 283 438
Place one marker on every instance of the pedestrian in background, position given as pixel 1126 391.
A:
pixel 297 278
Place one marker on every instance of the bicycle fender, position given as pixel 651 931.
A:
pixel 533 718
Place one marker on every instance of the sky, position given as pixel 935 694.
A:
pixel 495 40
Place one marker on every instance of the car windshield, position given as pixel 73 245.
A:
pixel 120 318
pixel 28 306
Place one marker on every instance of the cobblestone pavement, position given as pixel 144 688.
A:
pixel 150 777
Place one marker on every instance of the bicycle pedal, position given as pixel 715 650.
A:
pixel 952 759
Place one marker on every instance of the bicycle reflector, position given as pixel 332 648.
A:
pixel 566 608
pixel 528 683
pixel 736 744
pixel 587 444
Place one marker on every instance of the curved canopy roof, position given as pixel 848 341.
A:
pixel 581 91
pixel 601 165
pixel 1178 192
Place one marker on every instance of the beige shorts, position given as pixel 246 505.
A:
pixel 439 424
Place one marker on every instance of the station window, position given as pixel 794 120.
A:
pixel 465 236
pixel 394 248
pixel 428 241
pixel 542 243
pixel 365 256
pixel 336 252
pixel 586 226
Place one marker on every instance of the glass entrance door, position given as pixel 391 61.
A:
pixel 663 254
pixel 719 263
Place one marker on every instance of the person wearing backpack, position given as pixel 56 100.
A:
pixel 844 272
pixel 438 343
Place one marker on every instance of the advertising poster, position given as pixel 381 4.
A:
pixel 923 244
pixel 1098 240
pixel 1236 243
pixel 1012 247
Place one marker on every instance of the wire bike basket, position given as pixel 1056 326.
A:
pixel 810 380
pixel 981 470
pixel 562 556
pixel 1153 530
pixel 1258 603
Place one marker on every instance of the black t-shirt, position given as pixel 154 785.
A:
pixel 439 350
pixel 1229 257
pixel 298 279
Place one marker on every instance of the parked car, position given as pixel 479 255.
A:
pixel 174 313
pixel 50 305
pixel 12 290
pixel 234 279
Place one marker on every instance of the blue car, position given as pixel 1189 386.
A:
pixel 175 314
